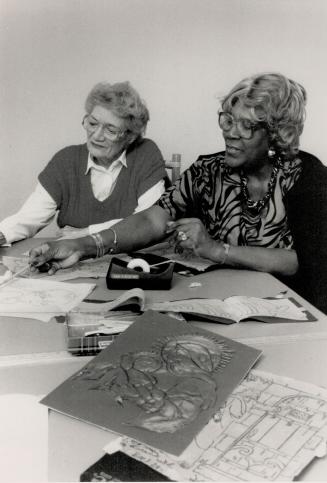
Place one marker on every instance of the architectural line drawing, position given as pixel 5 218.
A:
pixel 270 428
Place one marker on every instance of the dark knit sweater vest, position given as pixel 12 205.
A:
pixel 65 180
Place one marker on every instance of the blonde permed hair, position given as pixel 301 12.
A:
pixel 124 101
pixel 277 101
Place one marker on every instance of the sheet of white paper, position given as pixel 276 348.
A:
pixel 191 261
pixel 235 308
pixel 26 297
pixel 270 428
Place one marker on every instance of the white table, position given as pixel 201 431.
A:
pixel 33 358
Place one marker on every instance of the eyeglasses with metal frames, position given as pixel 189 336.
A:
pixel 245 127
pixel 90 124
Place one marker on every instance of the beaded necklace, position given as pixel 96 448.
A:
pixel 257 206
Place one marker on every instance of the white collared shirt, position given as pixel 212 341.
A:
pixel 103 180
pixel 40 208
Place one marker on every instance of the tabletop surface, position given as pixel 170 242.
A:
pixel 27 336
pixel 34 360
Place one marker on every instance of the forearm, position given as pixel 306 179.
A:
pixel 277 261
pixel 135 232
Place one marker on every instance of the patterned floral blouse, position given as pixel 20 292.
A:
pixel 211 191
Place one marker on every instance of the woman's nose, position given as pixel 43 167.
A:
pixel 234 132
pixel 98 133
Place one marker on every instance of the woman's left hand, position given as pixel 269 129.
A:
pixel 191 234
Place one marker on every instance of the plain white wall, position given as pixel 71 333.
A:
pixel 179 54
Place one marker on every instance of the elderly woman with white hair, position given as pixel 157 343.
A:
pixel 94 185
pixel 260 204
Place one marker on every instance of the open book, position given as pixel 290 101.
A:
pixel 237 309
pixel 231 310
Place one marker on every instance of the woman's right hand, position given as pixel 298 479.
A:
pixel 55 255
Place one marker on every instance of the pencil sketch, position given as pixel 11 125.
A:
pixel 170 384
pixel 14 296
pixel 24 296
pixel 270 428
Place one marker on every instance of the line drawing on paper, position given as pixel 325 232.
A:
pixel 266 430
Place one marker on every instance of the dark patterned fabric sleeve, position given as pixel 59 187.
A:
pixel 179 199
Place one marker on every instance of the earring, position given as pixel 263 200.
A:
pixel 271 152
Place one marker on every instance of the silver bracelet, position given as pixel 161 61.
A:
pixel 226 252
pixel 99 244
pixel 114 248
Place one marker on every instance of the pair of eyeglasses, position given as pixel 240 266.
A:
pixel 245 127
pixel 91 125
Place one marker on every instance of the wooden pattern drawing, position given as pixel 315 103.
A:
pixel 160 381
pixel 143 378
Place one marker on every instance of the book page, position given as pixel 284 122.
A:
pixel 248 307
pixel 234 308
pixel 213 307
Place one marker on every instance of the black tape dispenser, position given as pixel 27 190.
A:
pixel 144 270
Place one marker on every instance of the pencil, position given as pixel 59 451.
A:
pixel 14 276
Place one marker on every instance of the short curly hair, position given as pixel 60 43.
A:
pixel 124 101
pixel 277 101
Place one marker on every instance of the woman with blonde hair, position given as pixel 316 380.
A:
pixel 260 204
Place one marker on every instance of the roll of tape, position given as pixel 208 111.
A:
pixel 139 263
